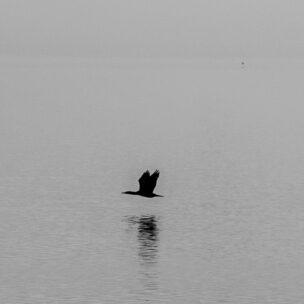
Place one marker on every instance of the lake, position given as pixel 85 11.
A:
pixel 228 141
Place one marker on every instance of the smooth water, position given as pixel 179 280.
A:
pixel 228 143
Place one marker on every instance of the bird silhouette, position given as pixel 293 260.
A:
pixel 147 183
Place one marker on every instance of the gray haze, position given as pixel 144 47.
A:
pixel 229 145
pixel 227 138
pixel 159 28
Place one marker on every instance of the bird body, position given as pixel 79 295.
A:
pixel 147 183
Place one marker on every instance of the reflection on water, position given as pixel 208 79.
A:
pixel 147 238
pixel 147 246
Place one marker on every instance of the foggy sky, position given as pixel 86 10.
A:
pixel 152 28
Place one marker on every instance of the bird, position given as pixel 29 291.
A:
pixel 147 183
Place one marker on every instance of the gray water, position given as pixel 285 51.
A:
pixel 229 146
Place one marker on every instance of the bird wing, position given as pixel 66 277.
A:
pixel 153 180
pixel 147 182
pixel 144 181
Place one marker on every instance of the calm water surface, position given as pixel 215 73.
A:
pixel 228 143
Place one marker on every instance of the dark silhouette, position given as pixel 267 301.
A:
pixel 147 183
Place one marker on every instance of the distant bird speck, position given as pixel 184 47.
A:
pixel 147 183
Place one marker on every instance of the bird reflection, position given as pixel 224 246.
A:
pixel 148 238
pixel 147 235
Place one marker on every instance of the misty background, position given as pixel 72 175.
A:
pixel 93 93
pixel 157 29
